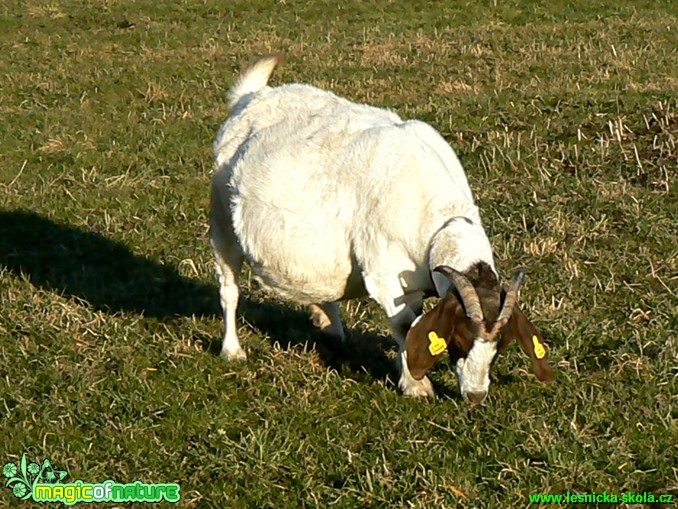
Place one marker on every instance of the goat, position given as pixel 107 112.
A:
pixel 330 200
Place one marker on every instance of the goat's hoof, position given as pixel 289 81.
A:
pixel 234 355
pixel 320 320
pixel 417 388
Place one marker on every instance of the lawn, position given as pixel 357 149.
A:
pixel 565 115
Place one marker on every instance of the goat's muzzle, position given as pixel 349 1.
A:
pixel 475 398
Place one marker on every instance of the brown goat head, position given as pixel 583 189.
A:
pixel 475 321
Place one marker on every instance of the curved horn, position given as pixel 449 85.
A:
pixel 468 294
pixel 511 296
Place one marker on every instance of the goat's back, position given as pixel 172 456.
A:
pixel 314 180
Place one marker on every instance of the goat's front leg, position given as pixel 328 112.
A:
pixel 389 295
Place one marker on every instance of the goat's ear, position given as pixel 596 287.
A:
pixel 429 337
pixel 531 341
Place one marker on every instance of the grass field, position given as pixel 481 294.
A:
pixel 565 115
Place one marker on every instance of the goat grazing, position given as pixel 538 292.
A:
pixel 329 200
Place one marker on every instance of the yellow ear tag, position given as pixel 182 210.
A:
pixel 539 350
pixel 437 344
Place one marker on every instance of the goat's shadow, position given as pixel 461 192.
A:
pixel 79 262
pixel 361 356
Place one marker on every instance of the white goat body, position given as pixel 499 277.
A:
pixel 324 191
pixel 328 199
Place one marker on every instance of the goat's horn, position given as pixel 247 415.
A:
pixel 511 296
pixel 468 294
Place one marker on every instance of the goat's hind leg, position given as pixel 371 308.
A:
pixel 228 270
pixel 228 260
pixel 227 275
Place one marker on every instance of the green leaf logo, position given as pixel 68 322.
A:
pixel 22 479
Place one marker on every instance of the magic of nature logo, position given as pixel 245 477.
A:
pixel 44 483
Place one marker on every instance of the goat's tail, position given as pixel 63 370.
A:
pixel 254 78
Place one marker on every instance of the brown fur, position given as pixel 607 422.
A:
pixel 521 329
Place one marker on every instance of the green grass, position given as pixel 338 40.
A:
pixel 566 118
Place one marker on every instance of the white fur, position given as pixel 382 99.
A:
pixel 410 386
pixel 473 372
pixel 253 80
pixel 329 199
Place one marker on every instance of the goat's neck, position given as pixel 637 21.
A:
pixel 460 243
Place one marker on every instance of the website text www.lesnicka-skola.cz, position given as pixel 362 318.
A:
pixel 602 498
